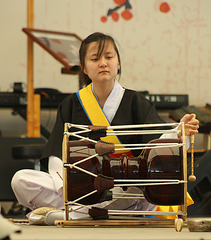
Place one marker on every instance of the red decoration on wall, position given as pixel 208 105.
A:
pixel 126 14
pixel 115 16
pixel 164 7
pixel 103 19
pixel 119 2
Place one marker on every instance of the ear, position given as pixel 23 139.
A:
pixel 84 70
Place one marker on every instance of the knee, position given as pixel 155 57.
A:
pixel 17 179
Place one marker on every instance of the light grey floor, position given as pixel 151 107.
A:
pixel 30 232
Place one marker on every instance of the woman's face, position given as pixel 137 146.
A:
pixel 104 68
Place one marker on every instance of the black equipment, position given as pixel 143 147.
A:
pixel 19 99
pixel 51 98
pixel 168 101
pixel 200 190
pixel 202 116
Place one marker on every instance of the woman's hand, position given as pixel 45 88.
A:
pixel 191 124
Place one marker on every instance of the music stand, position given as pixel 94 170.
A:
pixel 62 46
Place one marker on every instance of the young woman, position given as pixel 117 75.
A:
pixel 100 65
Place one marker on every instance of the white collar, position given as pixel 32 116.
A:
pixel 113 101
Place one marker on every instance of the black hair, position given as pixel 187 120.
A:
pixel 101 39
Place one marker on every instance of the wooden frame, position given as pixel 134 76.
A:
pixel 62 46
pixel 178 222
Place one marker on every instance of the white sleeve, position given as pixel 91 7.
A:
pixel 56 171
pixel 174 136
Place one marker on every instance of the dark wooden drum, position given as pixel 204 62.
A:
pixel 160 163
pixel 80 183
pixel 165 163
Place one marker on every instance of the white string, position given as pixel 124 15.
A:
pixel 147 184
pixel 82 197
pixel 127 126
pixel 84 160
pixel 124 212
pixel 81 169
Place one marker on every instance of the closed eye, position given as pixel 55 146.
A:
pixel 94 59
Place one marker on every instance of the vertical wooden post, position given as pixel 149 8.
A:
pixel 36 116
pixel 30 72
pixel 65 152
pixel 33 102
pixel 184 206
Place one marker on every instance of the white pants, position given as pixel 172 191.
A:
pixel 35 189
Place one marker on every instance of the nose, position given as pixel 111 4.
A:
pixel 103 62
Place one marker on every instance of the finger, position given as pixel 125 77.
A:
pixel 190 132
pixel 187 117
pixel 192 116
pixel 191 125
pixel 194 124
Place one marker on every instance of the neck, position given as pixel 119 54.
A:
pixel 102 92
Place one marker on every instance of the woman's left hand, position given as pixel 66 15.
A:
pixel 191 124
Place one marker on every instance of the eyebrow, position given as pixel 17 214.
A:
pixel 108 52
pixel 94 54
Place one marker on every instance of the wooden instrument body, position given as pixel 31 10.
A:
pixel 162 163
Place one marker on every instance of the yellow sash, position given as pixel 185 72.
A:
pixel 95 113
pixel 173 208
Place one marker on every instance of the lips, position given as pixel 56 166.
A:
pixel 104 71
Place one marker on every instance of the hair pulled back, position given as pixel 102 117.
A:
pixel 101 39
